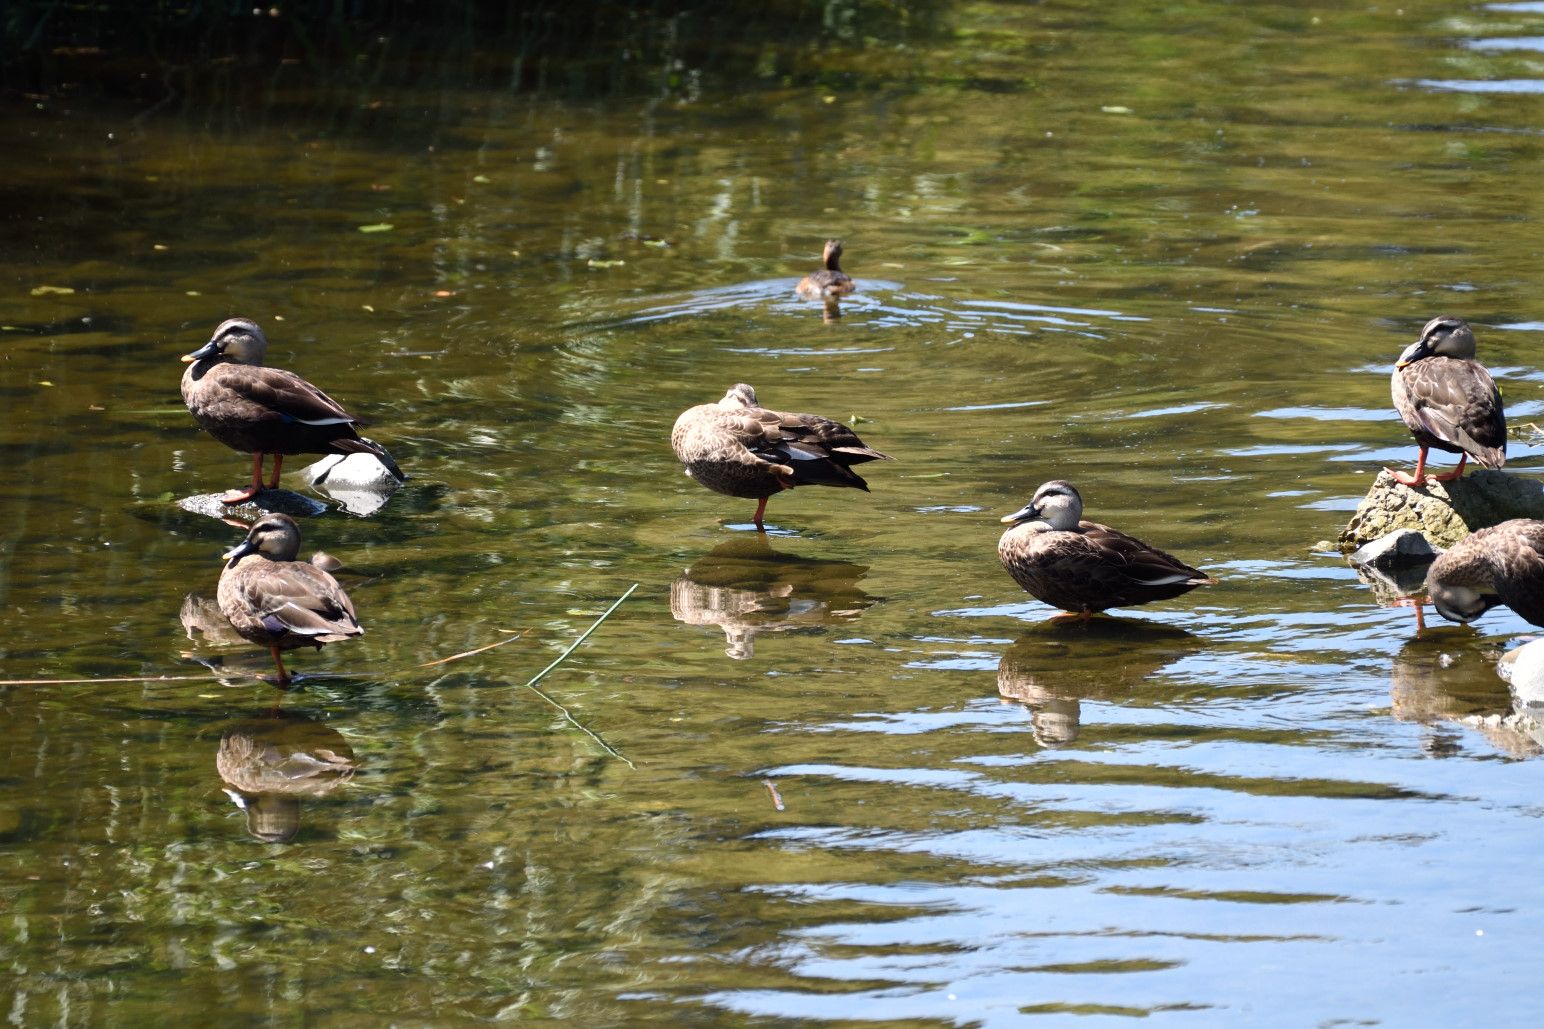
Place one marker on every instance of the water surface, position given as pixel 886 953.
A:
pixel 854 774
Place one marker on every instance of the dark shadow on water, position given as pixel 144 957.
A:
pixel 269 764
pixel 745 587
pixel 1057 664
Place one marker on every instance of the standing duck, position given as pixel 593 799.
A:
pixel 830 282
pixel 1448 400
pixel 741 449
pixel 1502 564
pixel 259 410
pixel 1084 567
pixel 279 602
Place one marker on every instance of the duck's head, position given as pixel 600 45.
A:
pixel 1444 336
pixel 275 536
pixel 1056 503
pixel 237 340
pixel 739 395
pixel 832 254
pixel 1459 603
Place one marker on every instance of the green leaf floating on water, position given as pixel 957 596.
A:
pixel 43 291
pixel 377 227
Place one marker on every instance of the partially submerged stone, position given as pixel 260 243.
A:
pixel 280 501
pixel 1443 512
pixel 359 483
pixel 1394 565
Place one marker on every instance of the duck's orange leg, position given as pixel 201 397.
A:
pixel 1455 473
pixel 284 677
pixel 241 496
pixel 273 480
pixel 1419 478
pixel 761 509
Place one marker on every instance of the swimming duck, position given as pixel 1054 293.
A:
pixel 1085 567
pixel 830 281
pixel 1448 400
pixel 741 449
pixel 1502 564
pixel 259 410
pixel 276 601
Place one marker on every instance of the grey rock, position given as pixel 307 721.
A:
pixel 1523 669
pixel 282 501
pixel 1394 566
pixel 1443 512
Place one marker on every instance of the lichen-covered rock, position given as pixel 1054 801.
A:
pixel 1444 512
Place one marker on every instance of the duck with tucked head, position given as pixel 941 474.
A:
pixel 741 449
pixel 1448 400
pixel 1084 567
pixel 830 282
pixel 278 602
pixel 1502 564
pixel 259 410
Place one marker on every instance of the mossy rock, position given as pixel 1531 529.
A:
pixel 1445 512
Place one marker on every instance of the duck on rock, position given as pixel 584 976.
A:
pixel 259 410
pixel 1085 567
pixel 278 602
pixel 1448 400
pixel 741 449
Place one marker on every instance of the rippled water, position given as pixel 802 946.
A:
pixel 847 771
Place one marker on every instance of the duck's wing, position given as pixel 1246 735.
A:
pixel 294 597
pixel 1458 402
pixel 1516 556
pixel 818 450
pixel 282 393
pixel 813 432
pixel 1124 560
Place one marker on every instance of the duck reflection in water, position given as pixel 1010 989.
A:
pixel 745 587
pixel 269 764
pixel 1440 680
pixel 1058 663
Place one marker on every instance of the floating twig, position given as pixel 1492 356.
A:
pixel 777 798
pixel 479 650
pixel 125 678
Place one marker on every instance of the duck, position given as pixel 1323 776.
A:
pixel 278 602
pixel 741 449
pixel 1085 567
pixel 1501 564
pixel 258 410
pixel 1448 400
pixel 830 281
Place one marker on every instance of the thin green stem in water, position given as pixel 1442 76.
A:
pixel 567 715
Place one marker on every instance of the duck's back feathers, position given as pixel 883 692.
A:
pixel 1452 404
pixel 744 450
pixel 288 603
pixel 1093 567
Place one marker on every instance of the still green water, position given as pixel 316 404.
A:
pixel 1166 251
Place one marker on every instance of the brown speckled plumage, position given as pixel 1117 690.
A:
pixel 1448 400
pixel 830 281
pixel 1502 564
pixel 1083 566
pixel 278 602
pixel 258 410
pixel 741 449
